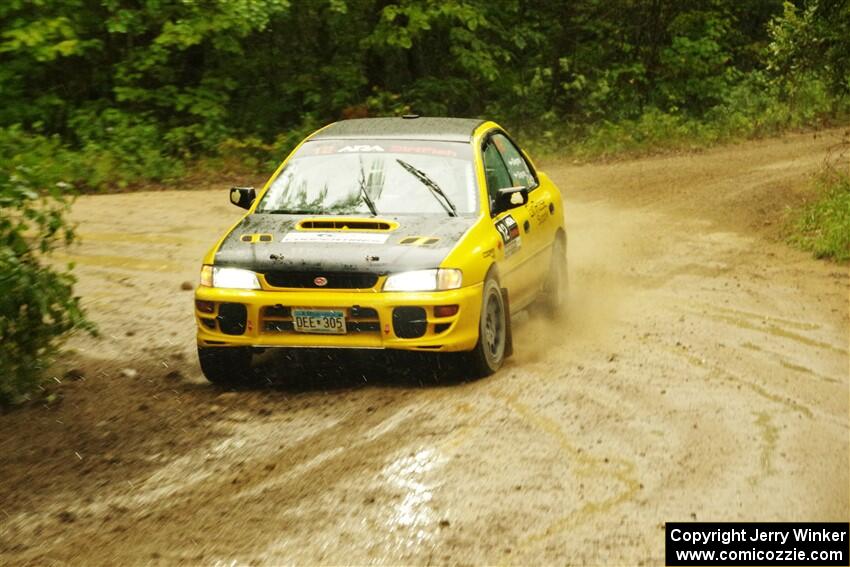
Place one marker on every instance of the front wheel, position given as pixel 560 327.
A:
pixel 489 353
pixel 225 366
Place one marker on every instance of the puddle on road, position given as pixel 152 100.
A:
pixel 406 484
pixel 407 474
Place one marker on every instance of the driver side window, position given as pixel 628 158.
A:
pixel 495 171
pixel 518 169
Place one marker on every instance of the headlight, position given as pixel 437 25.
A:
pixel 234 278
pixel 424 280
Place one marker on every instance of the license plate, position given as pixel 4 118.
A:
pixel 323 321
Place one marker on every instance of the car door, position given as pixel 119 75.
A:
pixel 513 268
pixel 537 231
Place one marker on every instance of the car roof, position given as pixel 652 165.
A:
pixel 418 128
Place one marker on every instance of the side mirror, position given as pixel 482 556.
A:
pixel 242 196
pixel 511 197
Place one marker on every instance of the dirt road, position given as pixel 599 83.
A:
pixel 703 374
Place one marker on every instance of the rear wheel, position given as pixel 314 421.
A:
pixel 489 353
pixel 225 366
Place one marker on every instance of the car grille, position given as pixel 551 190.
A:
pixel 335 280
pixel 351 327
pixel 275 319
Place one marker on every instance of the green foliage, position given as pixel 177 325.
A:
pixel 37 306
pixel 135 90
pixel 45 159
pixel 823 226
pixel 117 149
pixel 696 73
pixel 751 108
pixel 113 150
pixel 813 39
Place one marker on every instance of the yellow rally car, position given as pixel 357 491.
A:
pixel 394 233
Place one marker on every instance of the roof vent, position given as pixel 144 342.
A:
pixel 410 116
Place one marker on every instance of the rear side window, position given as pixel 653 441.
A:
pixel 517 167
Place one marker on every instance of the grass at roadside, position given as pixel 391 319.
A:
pixel 823 225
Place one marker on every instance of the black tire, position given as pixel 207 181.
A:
pixel 553 303
pixel 489 353
pixel 225 366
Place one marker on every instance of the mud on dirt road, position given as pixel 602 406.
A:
pixel 702 375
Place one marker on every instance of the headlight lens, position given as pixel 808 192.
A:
pixel 233 278
pixel 424 280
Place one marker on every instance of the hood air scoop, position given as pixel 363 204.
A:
pixel 346 224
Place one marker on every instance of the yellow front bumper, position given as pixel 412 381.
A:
pixel 268 325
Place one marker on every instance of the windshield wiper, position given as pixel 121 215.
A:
pixel 366 198
pixel 432 186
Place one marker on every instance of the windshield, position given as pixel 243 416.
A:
pixel 375 177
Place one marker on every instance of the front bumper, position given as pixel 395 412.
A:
pixel 368 314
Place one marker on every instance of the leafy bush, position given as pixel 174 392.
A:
pixel 118 149
pixel 37 305
pixel 823 226
pixel 113 150
pixel 45 159
pixel 755 107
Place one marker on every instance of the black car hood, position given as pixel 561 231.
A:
pixel 419 242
